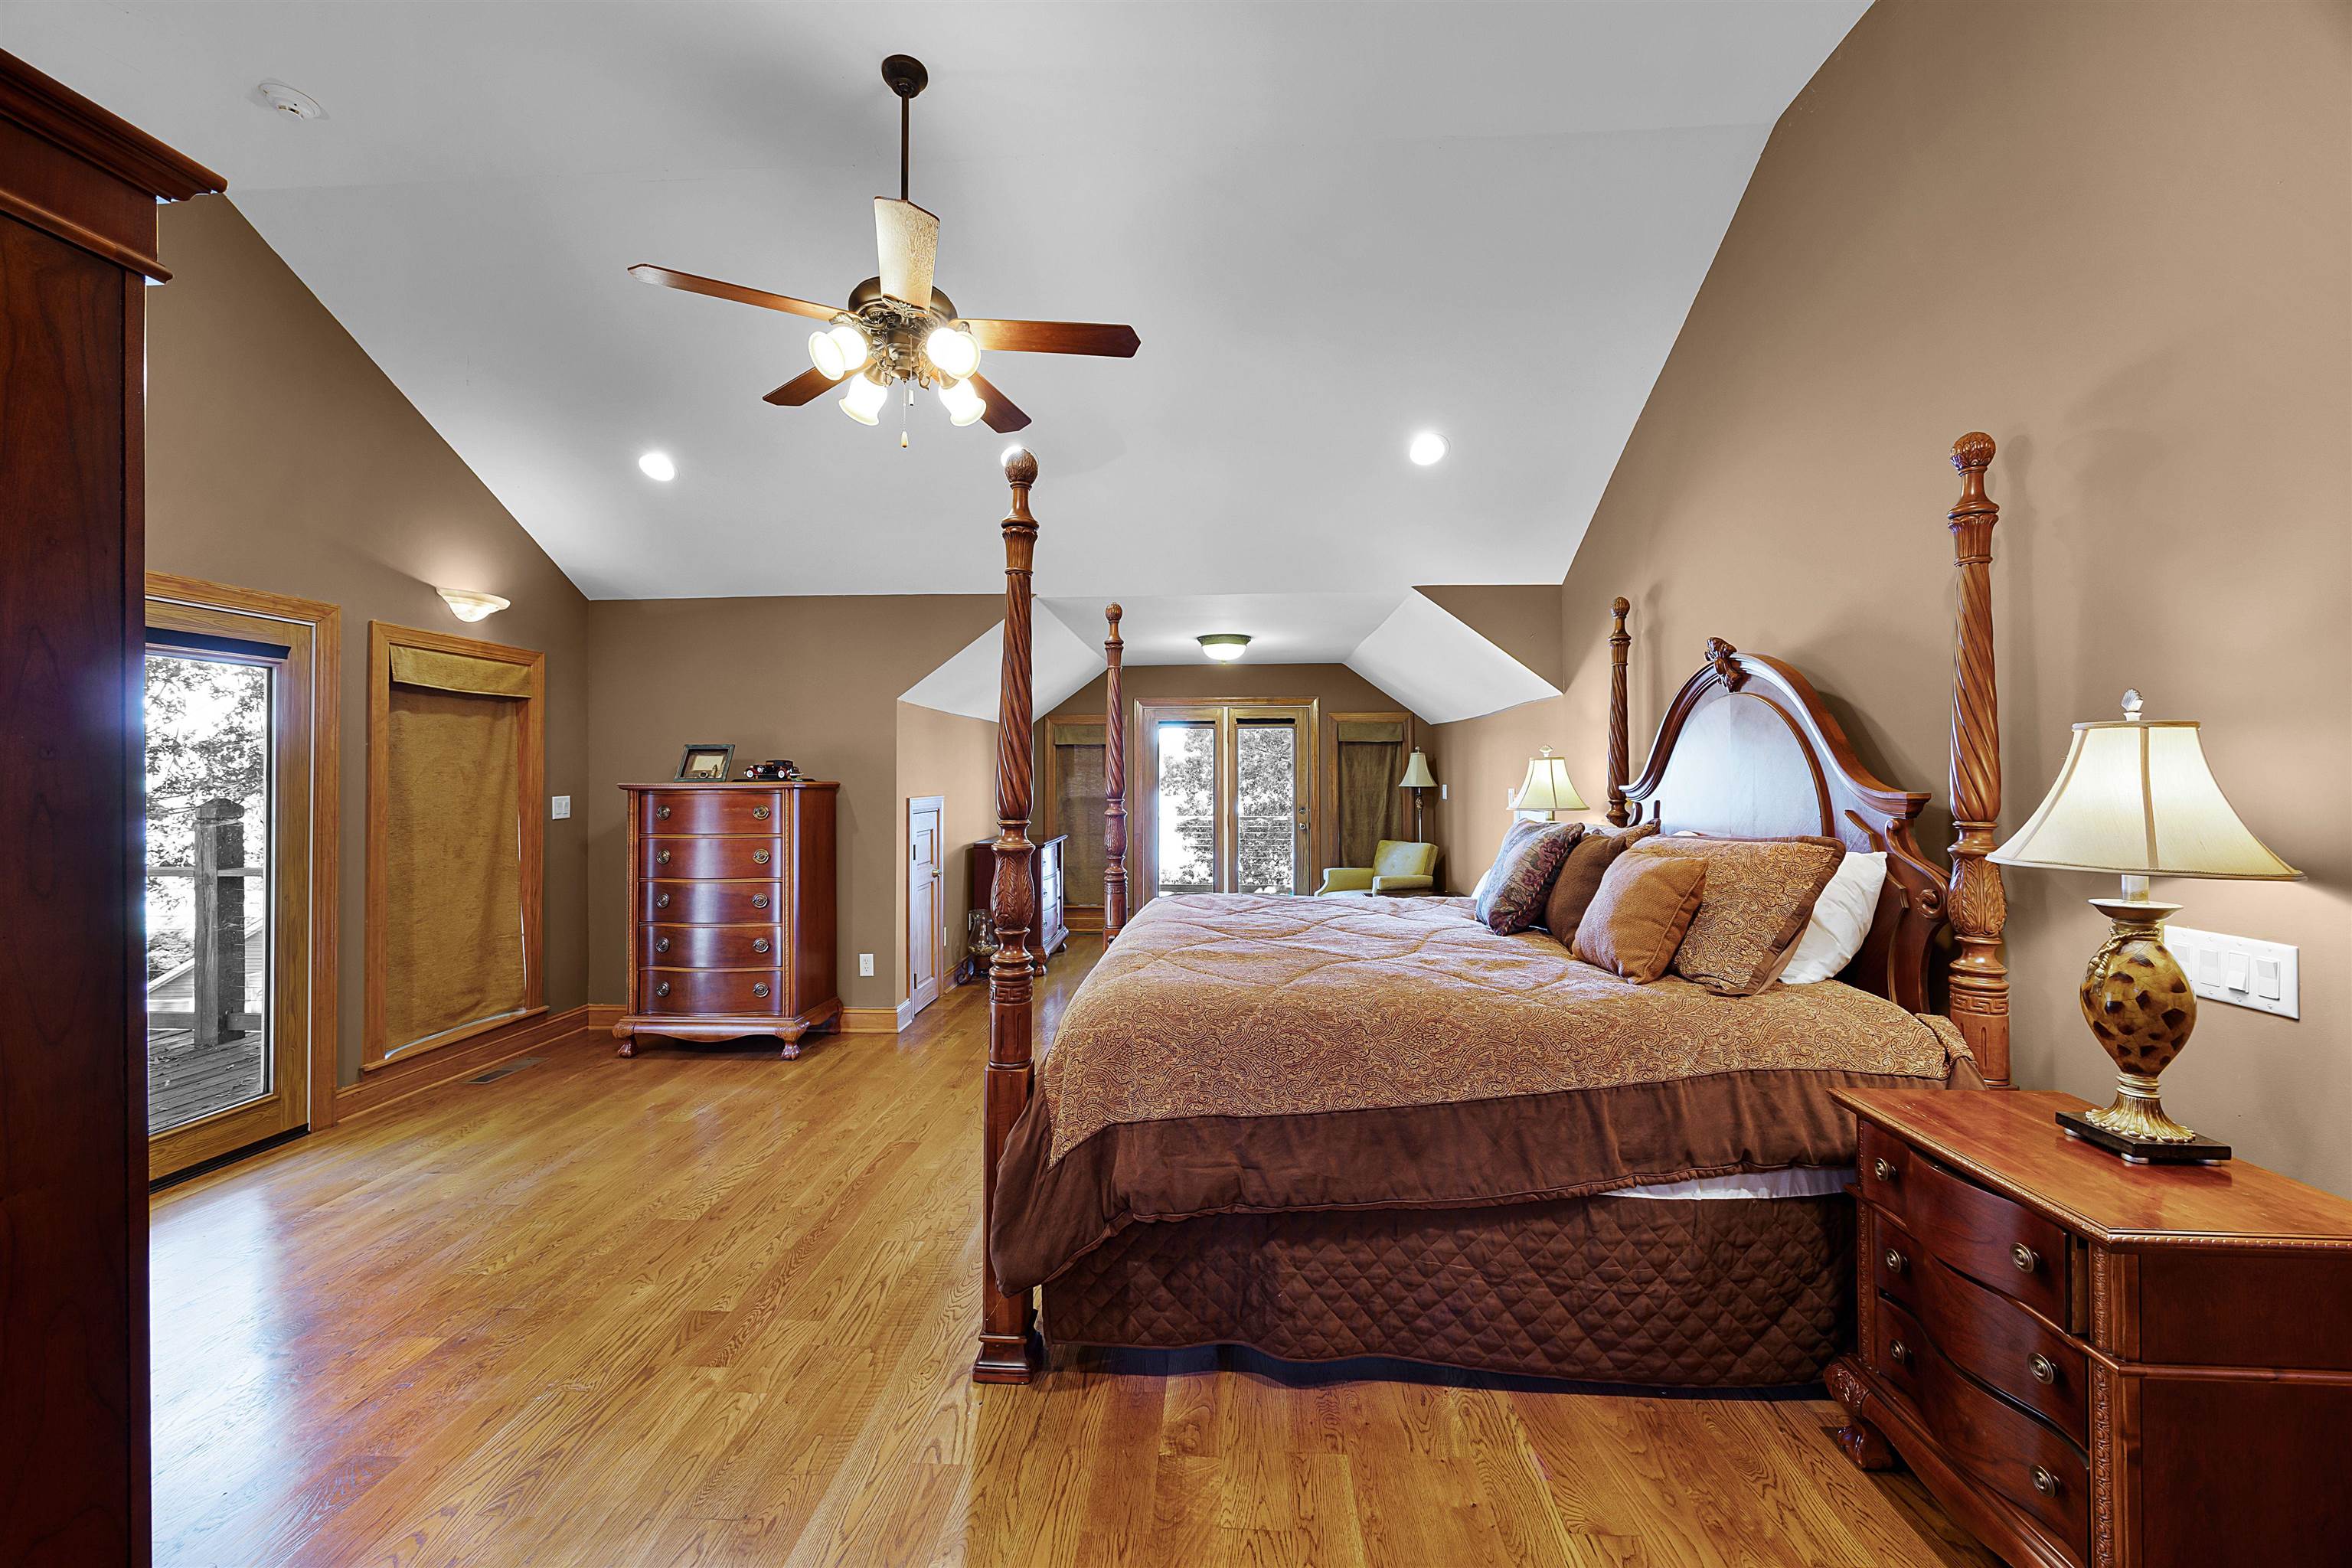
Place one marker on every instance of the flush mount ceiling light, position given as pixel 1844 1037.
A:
pixel 658 466
pixel 1225 646
pixel 897 327
pixel 1427 447
pixel 468 606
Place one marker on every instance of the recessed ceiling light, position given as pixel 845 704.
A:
pixel 1427 448
pixel 1225 646
pixel 658 466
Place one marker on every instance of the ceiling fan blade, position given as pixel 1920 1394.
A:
pixel 907 238
pixel 645 273
pixel 1056 338
pixel 1002 415
pixel 802 388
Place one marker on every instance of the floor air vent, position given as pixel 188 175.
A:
pixel 503 1068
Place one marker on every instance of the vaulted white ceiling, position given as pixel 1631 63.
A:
pixel 1331 224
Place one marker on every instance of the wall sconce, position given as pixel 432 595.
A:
pixel 468 606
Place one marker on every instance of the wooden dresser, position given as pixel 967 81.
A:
pixel 731 911
pixel 2090 1362
pixel 1052 932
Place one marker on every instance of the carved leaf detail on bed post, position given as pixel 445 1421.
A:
pixel 1979 981
pixel 1114 781
pixel 1007 1322
pixel 1620 748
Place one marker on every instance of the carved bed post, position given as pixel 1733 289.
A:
pixel 1114 781
pixel 1006 1323
pixel 1620 755
pixel 1979 981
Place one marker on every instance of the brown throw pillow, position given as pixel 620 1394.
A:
pixel 1581 873
pixel 1759 894
pixel 1529 860
pixel 1637 918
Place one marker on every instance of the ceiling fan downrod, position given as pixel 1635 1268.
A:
pixel 907 77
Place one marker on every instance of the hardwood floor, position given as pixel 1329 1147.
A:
pixel 718 1308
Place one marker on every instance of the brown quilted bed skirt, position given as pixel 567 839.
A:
pixel 1751 1293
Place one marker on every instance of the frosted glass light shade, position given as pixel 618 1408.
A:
pixel 962 403
pixel 953 349
pixel 1225 646
pixel 837 352
pixel 2136 798
pixel 1546 786
pixel 863 401
pixel 1416 772
pixel 468 606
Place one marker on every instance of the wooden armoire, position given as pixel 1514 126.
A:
pixel 77 195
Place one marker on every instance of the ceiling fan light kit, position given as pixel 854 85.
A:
pixel 897 327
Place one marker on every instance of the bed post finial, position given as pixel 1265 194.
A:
pixel 1620 754
pixel 1007 1324
pixel 1979 981
pixel 1114 780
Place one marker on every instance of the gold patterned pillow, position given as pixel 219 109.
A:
pixel 1512 897
pixel 1759 893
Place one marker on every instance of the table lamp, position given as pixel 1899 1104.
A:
pixel 1546 787
pixel 2135 796
pixel 1416 779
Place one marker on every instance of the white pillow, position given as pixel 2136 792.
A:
pixel 1841 918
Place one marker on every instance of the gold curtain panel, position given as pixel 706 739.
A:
pixel 441 671
pixel 453 938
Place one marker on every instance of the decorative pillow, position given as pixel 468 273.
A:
pixel 1513 895
pixel 1759 894
pixel 1638 915
pixel 1840 919
pixel 1579 875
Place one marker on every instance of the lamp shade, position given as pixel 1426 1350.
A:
pixel 2136 798
pixel 1416 772
pixel 1547 788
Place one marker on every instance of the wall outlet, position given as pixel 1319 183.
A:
pixel 865 964
pixel 559 807
pixel 2239 970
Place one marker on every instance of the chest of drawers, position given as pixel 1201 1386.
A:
pixel 2093 1365
pixel 1046 882
pixel 730 911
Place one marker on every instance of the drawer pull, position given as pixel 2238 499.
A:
pixel 760 945
pixel 759 901
pixel 2043 1482
pixel 661 989
pixel 1894 1261
pixel 759 988
pixel 759 857
pixel 661 813
pixel 1883 1168
pixel 661 857
pixel 2043 1369
pixel 661 901
pixel 1898 1353
pixel 662 945
pixel 2025 1258
pixel 759 814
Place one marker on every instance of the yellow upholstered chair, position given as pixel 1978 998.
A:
pixel 1397 867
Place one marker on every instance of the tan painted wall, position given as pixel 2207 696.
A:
pixel 279 457
pixel 950 755
pixel 2119 238
pixel 812 679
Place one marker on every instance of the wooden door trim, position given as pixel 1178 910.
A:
pixel 1327 772
pixel 531 786
pixel 1049 809
pixel 917 804
pixel 320 918
pixel 1222 711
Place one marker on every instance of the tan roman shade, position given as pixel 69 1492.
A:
pixel 458 672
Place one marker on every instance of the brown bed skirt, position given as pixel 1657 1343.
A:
pixel 1751 1293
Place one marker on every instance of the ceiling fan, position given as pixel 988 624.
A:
pixel 897 327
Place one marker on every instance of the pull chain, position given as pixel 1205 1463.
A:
pixel 905 412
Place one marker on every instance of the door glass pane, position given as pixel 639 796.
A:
pixel 1265 805
pixel 1187 858
pixel 209 838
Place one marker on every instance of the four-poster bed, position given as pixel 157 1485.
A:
pixel 1337 1128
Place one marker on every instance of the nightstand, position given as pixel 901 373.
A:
pixel 2095 1364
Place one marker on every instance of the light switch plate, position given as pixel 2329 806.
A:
pixel 559 807
pixel 2239 970
pixel 865 964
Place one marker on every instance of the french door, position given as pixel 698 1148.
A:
pixel 1223 797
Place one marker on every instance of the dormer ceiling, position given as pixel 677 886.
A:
pixel 1333 228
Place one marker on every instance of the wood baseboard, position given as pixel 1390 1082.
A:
pixel 398 1080
pixel 1083 916
pixel 869 1020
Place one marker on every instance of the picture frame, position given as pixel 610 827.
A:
pixel 707 762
